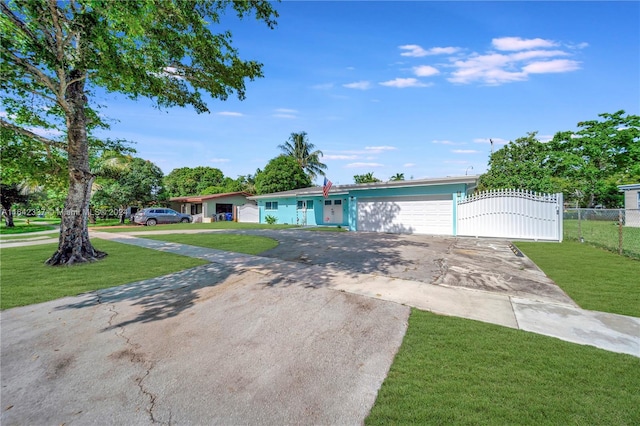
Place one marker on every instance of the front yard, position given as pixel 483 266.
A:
pixel 448 370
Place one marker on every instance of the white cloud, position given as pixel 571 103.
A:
pixel 230 114
pixel 402 83
pixel 465 151
pixel 3 114
pixel 339 157
pixel 510 59
pixel 219 160
pixel 408 165
pixel 413 50
pixel 362 165
pixel 379 149
pixel 497 68
pixel 517 43
pixel 425 71
pixel 285 113
pixel 556 65
pixel 360 85
pixel 417 51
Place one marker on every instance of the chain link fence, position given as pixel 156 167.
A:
pixel 617 230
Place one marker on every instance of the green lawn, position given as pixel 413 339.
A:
pixel 456 371
pixel 183 226
pixel 604 234
pixel 26 280
pixel 249 244
pixel 23 228
pixel 594 278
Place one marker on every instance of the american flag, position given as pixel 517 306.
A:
pixel 326 187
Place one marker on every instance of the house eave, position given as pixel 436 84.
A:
pixel 629 187
pixel 471 180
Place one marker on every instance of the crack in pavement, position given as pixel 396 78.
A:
pixel 136 358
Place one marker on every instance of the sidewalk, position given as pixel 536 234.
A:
pixel 615 333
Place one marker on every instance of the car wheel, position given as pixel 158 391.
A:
pixel 151 222
pixel 185 220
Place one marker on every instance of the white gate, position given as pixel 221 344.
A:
pixel 248 213
pixel 511 214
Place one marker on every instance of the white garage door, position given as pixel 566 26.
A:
pixel 407 215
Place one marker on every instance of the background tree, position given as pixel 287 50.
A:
pixel 585 165
pixel 598 157
pixel 366 178
pixel 54 54
pixel 9 196
pixel 397 177
pixel 138 184
pixel 193 181
pixel 282 173
pixel 299 148
pixel 521 164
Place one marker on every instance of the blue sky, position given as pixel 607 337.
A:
pixel 402 87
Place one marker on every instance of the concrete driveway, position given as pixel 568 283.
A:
pixel 304 334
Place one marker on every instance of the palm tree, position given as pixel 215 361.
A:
pixel 397 176
pixel 299 147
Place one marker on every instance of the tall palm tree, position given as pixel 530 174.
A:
pixel 299 147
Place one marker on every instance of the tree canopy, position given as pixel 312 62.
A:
pixel 366 178
pixel 282 173
pixel 138 183
pixel 305 154
pixel 587 165
pixel 54 55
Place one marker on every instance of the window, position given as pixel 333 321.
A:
pixel 337 202
pixel 327 202
pixel 271 205
pixel 308 204
pixel 638 200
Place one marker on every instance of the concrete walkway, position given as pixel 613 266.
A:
pixel 615 333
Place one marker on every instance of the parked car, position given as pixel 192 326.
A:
pixel 154 215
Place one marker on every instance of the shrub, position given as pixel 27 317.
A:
pixel 271 219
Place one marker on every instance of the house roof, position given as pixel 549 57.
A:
pixel 346 189
pixel 201 198
pixel 629 187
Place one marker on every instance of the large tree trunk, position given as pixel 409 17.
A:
pixel 74 245
pixel 8 216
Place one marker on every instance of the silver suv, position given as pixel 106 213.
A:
pixel 154 215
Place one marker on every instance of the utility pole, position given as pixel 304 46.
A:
pixel 491 140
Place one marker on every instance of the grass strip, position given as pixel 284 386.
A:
pixel 457 371
pixel 594 278
pixel 185 226
pixel 248 244
pixel 23 228
pixel 27 280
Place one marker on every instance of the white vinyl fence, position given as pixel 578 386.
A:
pixel 513 214
pixel 248 213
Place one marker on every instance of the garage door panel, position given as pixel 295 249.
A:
pixel 420 215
